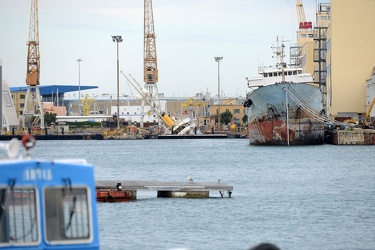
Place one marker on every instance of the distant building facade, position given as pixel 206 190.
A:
pixel 351 54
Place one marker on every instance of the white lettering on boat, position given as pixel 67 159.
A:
pixel 37 174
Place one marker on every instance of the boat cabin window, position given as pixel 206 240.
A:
pixel 67 215
pixel 275 74
pixel 294 72
pixel 265 74
pixel 289 73
pixel 18 216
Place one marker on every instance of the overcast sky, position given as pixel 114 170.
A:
pixel 190 33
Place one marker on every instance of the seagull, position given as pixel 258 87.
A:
pixel 189 178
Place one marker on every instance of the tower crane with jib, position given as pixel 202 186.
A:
pixel 301 16
pixel 150 66
pixel 33 106
pixel 170 124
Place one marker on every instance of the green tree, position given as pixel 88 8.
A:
pixel 49 118
pixel 226 117
pixel 244 119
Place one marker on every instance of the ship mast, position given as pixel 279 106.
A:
pixel 278 50
pixel 33 106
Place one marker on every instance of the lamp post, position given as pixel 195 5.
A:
pixel 118 39
pixel 79 86
pixel 218 60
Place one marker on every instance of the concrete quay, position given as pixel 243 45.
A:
pixel 56 137
pixel 354 136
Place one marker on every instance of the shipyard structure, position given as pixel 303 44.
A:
pixel 339 51
pixel 64 102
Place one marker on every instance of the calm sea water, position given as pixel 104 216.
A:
pixel 307 197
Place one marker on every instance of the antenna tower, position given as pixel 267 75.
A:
pixel 150 73
pixel 33 105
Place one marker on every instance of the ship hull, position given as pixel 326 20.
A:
pixel 270 123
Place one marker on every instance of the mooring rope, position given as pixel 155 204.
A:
pixel 310 111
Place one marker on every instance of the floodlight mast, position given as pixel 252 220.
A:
pixel 117 40
pixel 218 59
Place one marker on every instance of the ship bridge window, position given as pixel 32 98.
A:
pixel 294 72
pixel 275 74
pixel 289 73
pixel 67 215
pixel 280 73
pixel 265 75
pixel 19 222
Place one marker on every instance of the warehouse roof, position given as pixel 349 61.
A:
pixel 53 89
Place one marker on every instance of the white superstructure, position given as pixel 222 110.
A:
pixel 272 75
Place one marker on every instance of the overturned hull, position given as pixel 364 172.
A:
pixel 272 123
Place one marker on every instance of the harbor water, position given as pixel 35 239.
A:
pixel 305 197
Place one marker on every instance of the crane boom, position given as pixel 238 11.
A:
pixel 367 119
pixel 301 16
pixel 300 11
pixel 144 95
pixel 33 56
pixel 150 58
pixel 170 124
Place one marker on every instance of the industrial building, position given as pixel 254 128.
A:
pixel 53 94
pixel 340 52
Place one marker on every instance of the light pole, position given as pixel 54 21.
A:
pixel 118 39
pixel 218 60
pixel 79 86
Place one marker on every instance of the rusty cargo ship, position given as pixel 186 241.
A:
pixel 284 107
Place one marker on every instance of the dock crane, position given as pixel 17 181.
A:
pixel 367 119
pixel 33 105
pixel 170 124
pixel 301 16
pixel 150 66
pixel 87 101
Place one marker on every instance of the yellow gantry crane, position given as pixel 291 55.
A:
pixel 87 101
pixel 33 106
